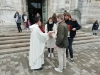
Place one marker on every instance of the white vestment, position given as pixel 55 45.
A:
pixel 37 45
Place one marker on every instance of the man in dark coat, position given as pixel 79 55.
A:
pixel 61 42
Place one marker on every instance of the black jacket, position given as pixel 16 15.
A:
pixel 74 24
pixel 95 26
pixel 23 17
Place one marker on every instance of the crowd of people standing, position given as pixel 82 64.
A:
pixel 58 33
pixel 26 21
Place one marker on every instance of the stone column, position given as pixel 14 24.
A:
pixel 49 8
pixel 22 2
pixel 76 4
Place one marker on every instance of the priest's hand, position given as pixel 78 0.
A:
pixel 50 35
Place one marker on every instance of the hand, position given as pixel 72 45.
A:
pixel 50 36
pixel 55 47
pixel 74 29
pixel 50 32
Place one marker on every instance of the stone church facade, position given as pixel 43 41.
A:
pixel 85 11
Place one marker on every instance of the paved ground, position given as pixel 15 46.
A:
pixel 86 56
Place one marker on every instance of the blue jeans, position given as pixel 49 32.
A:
pixel 95 31
pixel 70 47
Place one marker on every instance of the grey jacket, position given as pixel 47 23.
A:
pixel 18 18
pixel 62 35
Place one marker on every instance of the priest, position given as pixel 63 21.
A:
pixel 37 45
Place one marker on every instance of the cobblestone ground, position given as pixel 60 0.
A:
pixel 86 62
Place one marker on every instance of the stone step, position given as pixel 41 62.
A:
pixel 22 39
pixel 14 41
pixel 14 38
pixel 83 35
pixel 26 44
pixel 13 50
pixel 80 32
pixel 14 34
pixel 86 41
pixel 17 45
pixel 85 38
pixel 23 49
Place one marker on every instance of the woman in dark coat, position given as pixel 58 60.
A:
pixel 95 27
pixel 72 27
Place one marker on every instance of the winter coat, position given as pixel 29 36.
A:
pixel 95 26
pixel 74 24
pixel 62 34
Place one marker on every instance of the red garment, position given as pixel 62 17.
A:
pixel 42 29
pixel 69 27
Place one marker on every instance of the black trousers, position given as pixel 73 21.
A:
pixel 70 47
pixel 19 27
pixel 52 50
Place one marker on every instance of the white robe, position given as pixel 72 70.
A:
pixel 37 45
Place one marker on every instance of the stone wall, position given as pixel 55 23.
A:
pixel 8 9
pixel 89 10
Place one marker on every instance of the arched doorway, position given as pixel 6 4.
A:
pixel 37 6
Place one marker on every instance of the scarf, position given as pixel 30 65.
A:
pixel 50 27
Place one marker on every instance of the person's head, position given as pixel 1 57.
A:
pixel 50 20
pixel 67 16
pixel 96 21
pixel 24 13
pixel 17 12
pixel 65 11
pixel 36 20
pixel 54 15
pixel 60 17
pixel 38 14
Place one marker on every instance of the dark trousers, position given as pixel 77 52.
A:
pixel 70 47
pixel 19 27
pixel 52 50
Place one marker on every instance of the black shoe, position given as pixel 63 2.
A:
pixel 38 69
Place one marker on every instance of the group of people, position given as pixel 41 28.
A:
pixel 26 21
pixel 58 33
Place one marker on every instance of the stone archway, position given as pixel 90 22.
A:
pixel 43 10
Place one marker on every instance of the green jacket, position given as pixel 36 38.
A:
pixel 62 35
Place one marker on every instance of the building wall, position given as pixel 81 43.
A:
pixel 8 9
pixel 88 10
